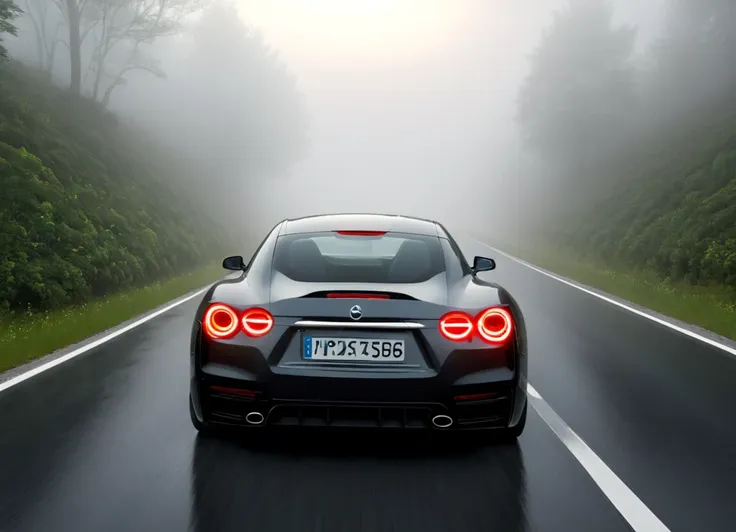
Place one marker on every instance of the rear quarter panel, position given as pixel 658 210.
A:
pixel 475 293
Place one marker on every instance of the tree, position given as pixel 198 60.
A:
pixel 73 13
pixel 242 91
pixel 581 90
pixel 123 28
pixel 696 59
pixel 119 29
pixel 47 31
pixel 231 107
pixel 8 12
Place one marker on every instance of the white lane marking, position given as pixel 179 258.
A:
pixel 636 513
pixel 728 349
pixel 40 369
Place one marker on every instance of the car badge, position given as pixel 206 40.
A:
pixel 356 312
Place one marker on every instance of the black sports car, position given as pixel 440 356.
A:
pixel 359 320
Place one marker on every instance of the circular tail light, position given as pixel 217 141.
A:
pixel 257 322
pixel 495 325
pixel 220 322
pixel 456 326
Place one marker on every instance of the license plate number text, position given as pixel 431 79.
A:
pixel 353 349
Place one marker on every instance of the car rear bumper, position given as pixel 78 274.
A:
pixel 388 403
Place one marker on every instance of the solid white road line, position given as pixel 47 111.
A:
pixel 40 369
pixel 636 513
pixel 728 349
pixel 631 508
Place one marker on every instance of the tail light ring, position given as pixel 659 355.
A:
pixel 503 334
pixel 219 331
pixel 463 326
pixel 256 316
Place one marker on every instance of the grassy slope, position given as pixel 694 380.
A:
pixel 95 226
pixel 663 234
pixel 24 338
pixel 710 307
pixel 674 215
pixel 89 207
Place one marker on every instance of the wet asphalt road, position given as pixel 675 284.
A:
pixel 104 442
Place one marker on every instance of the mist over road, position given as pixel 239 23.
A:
pixel 104 441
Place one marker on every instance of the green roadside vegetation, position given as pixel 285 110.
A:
pixel 106 214
pixel 639 154
pixel 665 239
pixel 88 206
pixel 94 229
pixel 29 336
pixel 711 307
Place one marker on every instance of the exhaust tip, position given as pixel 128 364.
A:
pixel 442 421
pixel 254 418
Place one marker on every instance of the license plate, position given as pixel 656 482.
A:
pixel 348 349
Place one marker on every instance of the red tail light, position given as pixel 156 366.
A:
pixel 256 322
pixel 220 322
pixel 361 233
pixel 495 325
pixel 456 326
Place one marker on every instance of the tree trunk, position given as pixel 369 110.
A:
pixel 50 58
pixel 108 93
pixel 75 46
pixel 38 32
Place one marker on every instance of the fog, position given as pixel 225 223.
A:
pixel 432 134
pixel 403 107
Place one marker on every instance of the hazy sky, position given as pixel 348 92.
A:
pixel 412 106
pixel 412 101
pixel 329 32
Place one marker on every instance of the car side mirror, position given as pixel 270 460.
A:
pixel 483 264
pixel 234 263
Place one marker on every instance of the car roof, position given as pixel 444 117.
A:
pixel 361 222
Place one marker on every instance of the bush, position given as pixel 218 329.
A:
pixel 676 217
pixel 83 212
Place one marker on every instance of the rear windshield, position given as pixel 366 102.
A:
pixel 336 258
